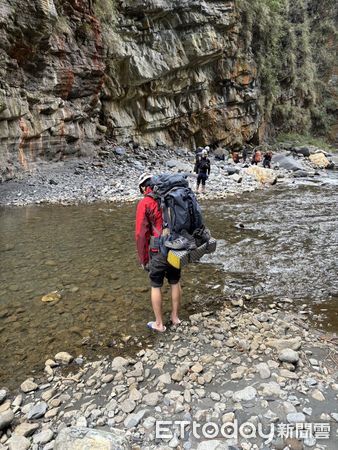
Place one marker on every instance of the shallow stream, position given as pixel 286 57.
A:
pixel 274 243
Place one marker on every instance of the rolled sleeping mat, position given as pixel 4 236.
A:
pixel 180 258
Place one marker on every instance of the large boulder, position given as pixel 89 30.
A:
pixel 285 161
pixel 265 176
pixel 320 160
pixel 79 438
pixel 305 151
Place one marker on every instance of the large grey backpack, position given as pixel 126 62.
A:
pixel 180 208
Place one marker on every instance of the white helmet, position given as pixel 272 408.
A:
pixel 142 179
pixel 204 152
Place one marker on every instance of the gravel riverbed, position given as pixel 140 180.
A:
pixel 114 178
pixel 240 365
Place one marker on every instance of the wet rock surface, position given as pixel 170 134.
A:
pixel 125 410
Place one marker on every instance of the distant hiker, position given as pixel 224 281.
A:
pixel 202 169
pixel 256 157
pixel 235 157
pixel 244 154
pixel 267 160
pixel 148 228
pixel 198 155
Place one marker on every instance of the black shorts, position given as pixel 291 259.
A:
pixel 160 268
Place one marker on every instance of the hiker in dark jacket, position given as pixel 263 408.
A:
pixel 148 227
pixel 267 160
pixel 202 170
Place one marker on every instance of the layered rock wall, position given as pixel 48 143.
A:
pixel 78 74
pixel 75 72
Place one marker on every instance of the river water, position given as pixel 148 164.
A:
pixel 272 244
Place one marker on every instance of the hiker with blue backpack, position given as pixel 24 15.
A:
pixel 168 223
pixel 148 229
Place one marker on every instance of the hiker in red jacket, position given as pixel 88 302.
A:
pixel 148 228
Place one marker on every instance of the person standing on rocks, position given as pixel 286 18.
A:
pixel 148 229
pixel 256 157
pixel 202 170
pixel 267 160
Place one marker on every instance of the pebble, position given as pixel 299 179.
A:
pixel 63 358
pixel 152 399
pixel 6 418
pixel 28 386
pixel 197 368
pixel 17 442
pixel 3 395
pixel 128 406
pixel 26 429
pixel 288 355
pixel 318 395
pixel 246 394
pixel 133 420
pixel 43 437
pixel 264 371
pixel 296 417
pixel 37 411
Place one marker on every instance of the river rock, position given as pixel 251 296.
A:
pixel 213 444
pixel 228 417
pixel 297 417
pixel 133 420
pixel 271 389
pixel 26 429
pixel 263 370
pixel 63 358
pixel 3 395
pixel 80 438
pixel 152 399
pixel 119 363
pixel 6 405
pixel 280 344
pixel 287 162
pixel 246 394
pixel 17 442
pixel 165 378
pixel 6 419
pixel 37 411
pixel 305 151
pixel 28 386
pixel 128 406
pixel 319 160
pixel 43 437
pixel 180 372
pixel 288 355
pixel 318 395
pixel 264 176
pixel 197 368
pixel 135 395
pixel 108 378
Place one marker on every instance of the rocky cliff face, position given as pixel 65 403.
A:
pixel 76 74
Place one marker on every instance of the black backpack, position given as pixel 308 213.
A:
pixel 180 209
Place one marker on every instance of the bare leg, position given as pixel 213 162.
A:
pixel 156 302
pixel 175 302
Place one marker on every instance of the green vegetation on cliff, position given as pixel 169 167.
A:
pixel 294 43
